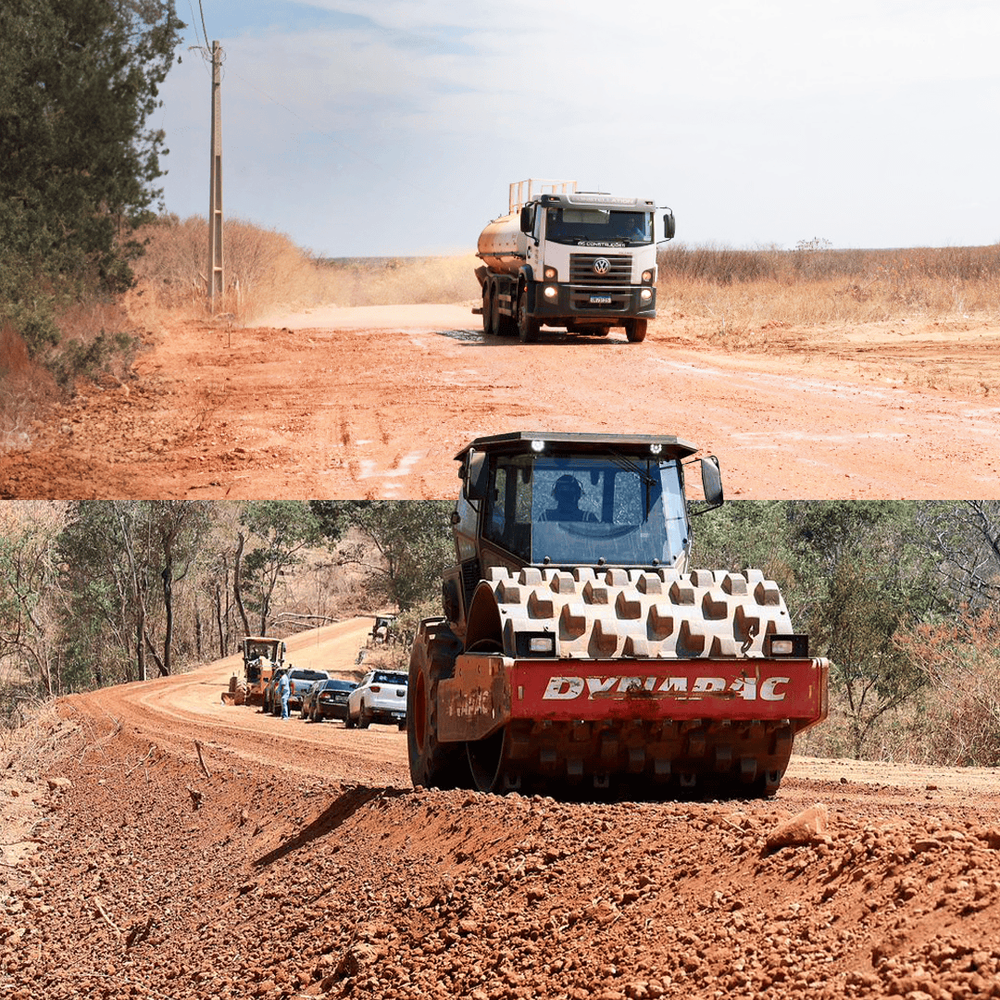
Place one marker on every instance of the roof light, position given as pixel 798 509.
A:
pixel 656 448
pixel 537 445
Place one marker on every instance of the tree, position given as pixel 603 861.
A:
pixel 122 561
pixel 80 81
pixel 179 524
pixel 28 531
pixel 411 537
pixel 967 535
pixel 283 529
pixel 856 576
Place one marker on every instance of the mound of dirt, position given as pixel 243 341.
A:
pixel 159 874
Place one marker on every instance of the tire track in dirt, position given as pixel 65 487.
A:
pixel 349 413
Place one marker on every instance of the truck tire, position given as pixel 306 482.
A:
pixel 527 326
pixel 503 326
pixel 432 764
pixel 489 304
pixel 506 325
pixel 635 330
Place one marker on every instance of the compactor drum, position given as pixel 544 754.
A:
pixel 578 650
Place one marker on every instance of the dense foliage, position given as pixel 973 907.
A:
pixel 80 81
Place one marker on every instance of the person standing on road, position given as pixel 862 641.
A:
pixel 284 689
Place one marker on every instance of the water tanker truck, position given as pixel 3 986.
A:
pixel 579 651
pixel 582 260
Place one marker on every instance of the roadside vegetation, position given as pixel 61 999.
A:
pixel 749 297
pixel 266 271
pixel 902 596
pixel 80 163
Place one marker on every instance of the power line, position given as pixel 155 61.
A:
pixel 194 22
pixel 204 30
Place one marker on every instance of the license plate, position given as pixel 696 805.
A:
pixel 600 300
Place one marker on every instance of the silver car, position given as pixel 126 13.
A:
pixel 380 697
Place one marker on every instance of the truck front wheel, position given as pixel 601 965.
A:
pixel 527 326
pixel 635 330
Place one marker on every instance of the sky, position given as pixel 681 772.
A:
pixel 394 127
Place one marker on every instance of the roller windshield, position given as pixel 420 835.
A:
pixel 583 226
pixel 601 510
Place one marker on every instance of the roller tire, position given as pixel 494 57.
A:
pixel 432 764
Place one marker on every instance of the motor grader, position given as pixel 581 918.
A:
pixel 262 655
pixel 579 651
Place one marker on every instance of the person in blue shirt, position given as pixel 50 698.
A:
pixel 284 689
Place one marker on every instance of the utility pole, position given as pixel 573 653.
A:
pixel 215 282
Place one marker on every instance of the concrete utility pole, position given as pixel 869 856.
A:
pixel 215 282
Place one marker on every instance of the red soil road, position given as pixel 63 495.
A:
pixel 353 403
pixel 300 863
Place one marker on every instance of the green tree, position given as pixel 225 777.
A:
pixel 281 530
pixel 80 81
pixel 856 576
pixel 122 561
pixel 967 535
pixel 411 538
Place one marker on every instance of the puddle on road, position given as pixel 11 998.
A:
pixel 469 336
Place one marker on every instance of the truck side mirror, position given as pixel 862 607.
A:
pixel 669 225
pixel 527 219
pixel 711 481
pixel 477 477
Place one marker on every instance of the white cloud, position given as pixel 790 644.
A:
pixel 753 119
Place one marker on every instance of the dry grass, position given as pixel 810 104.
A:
pixel 743 296
pixel 747 294
pixel 25 388
pixel 265 271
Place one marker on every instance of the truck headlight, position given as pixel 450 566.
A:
pixel 551 274
pixel 645 294
pixel 550 291
pixel 647 277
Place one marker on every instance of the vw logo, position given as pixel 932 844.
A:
pixel 602 265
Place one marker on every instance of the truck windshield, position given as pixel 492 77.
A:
pixel 601 510
pixel 584 226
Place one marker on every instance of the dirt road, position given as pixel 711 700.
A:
pixel 299 862
pixel 355 403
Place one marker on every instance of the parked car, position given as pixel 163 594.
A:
pixel 380 697
pixel 299 681
pixel 327 699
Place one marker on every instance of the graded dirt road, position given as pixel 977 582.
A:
pixel 299 862
pixel 363 403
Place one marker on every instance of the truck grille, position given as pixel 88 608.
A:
pixel 581 269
